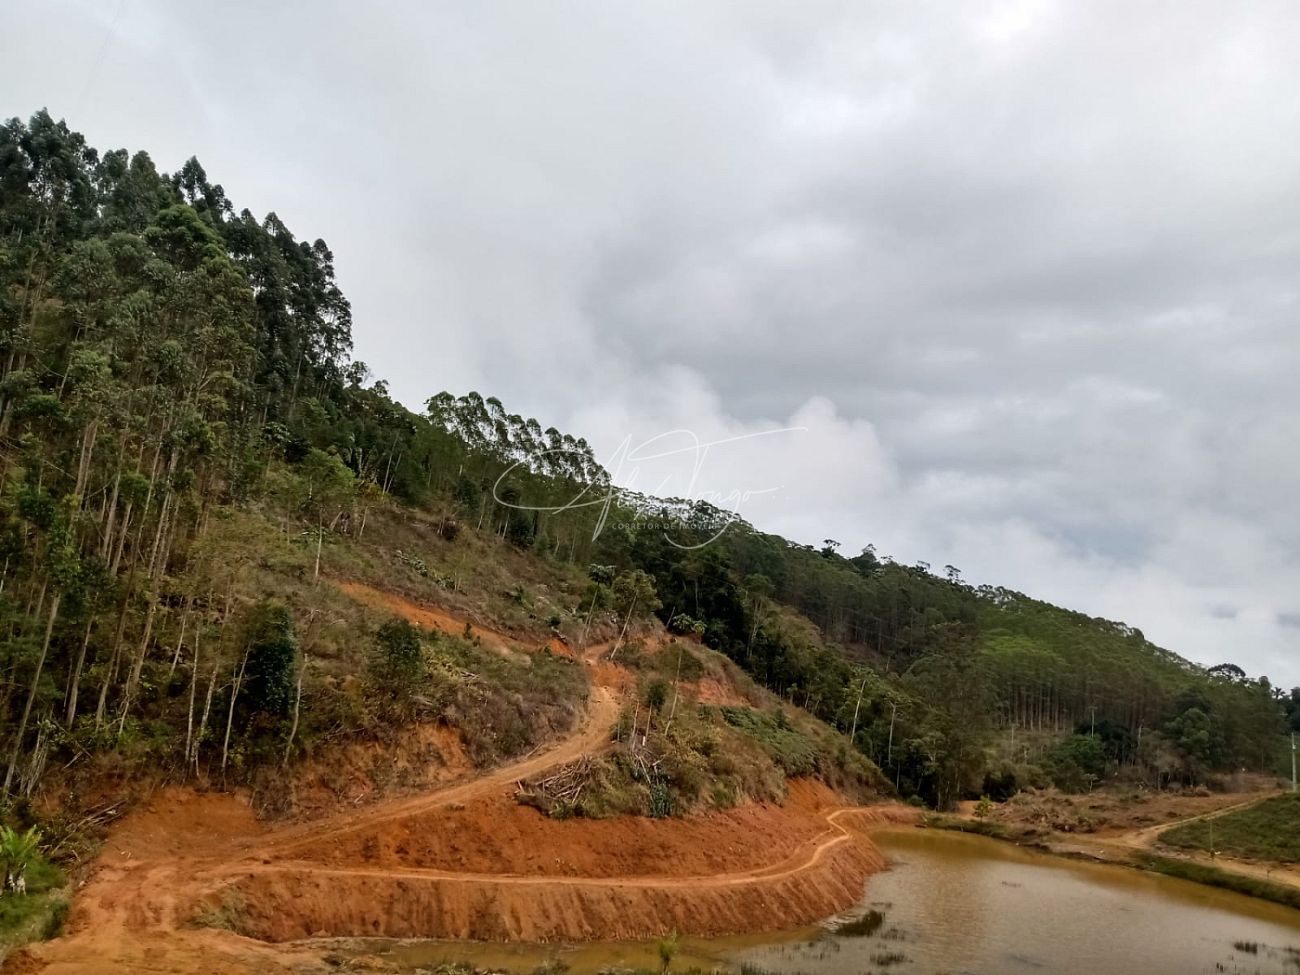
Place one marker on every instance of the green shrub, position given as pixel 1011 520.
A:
pixel 667 951
pixel 662 803
pixel 397 662
pixel 18 851
pixel 40 912
pixel 272 660
pixel 1077 763
pixel 656 695
pixel 55 919
pixel 793 751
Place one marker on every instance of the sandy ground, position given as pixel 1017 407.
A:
pixel 461 860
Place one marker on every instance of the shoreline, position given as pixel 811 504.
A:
pixel 1224 873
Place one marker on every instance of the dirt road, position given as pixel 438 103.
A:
pixel 1118 846
pixel 134 913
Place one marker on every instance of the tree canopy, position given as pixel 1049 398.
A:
pixel 167 359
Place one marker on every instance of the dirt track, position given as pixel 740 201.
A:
pixel 1147 840
pixel 462 861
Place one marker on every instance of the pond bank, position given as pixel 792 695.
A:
pixel 949 902
pixel 1140 851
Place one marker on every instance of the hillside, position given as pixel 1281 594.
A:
pixel 687 803
pixel 230 562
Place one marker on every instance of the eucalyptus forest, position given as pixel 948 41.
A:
pixel 179 408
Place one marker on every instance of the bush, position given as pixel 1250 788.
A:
pixel 656 695
pixel 55 919
pixel 272 660
pixel 229 913
pixel 677 662
pixel 667 951
pixel 684 625
pixel 18 850
pixel 1001 784
pixel 794 752
pixel 662 803
pixel 1077 763
pixel 38 913
pixel 397 661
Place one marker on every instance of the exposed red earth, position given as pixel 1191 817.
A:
pixel 460 860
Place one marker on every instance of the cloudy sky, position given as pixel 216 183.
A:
pixel 1023 275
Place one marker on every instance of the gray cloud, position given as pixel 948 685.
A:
pixel 1026 271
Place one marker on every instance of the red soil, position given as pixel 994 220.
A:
pixel 498 836
pixel 420 757
pixel 430 617
pixel 711 690
pixel 461 861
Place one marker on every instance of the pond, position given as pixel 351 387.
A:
pixel 954 903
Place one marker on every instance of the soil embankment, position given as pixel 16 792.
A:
pixel 460 861
pixel 821 876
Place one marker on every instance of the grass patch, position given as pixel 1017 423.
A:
pixel 678 662
pixel 38 914
pixel 505 705
pixel 702 757
pixel 1269 830
pixel 1214 877
pixel 229 913
pixel 790 748
pixel 981 827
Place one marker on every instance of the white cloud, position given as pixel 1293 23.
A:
pixel 1026 275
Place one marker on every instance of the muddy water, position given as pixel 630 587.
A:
pixel 953 903
pixel 958 903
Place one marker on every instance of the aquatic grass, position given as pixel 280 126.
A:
pixel 861 927
pixel 1214 877
pixel 888 958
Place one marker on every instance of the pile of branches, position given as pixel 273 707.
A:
pixel 559 792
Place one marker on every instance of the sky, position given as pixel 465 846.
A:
pixel 1010 286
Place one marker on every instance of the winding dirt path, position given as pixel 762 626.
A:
pixel 809 854
pixel 133 913
pixel 1120 847
pixel 591 737
pixel 1149 836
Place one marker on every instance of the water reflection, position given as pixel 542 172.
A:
pixel 956 903
pixel 963 905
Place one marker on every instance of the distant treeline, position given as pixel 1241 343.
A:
pixel 166 355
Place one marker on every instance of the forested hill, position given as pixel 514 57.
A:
pixel 173 367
